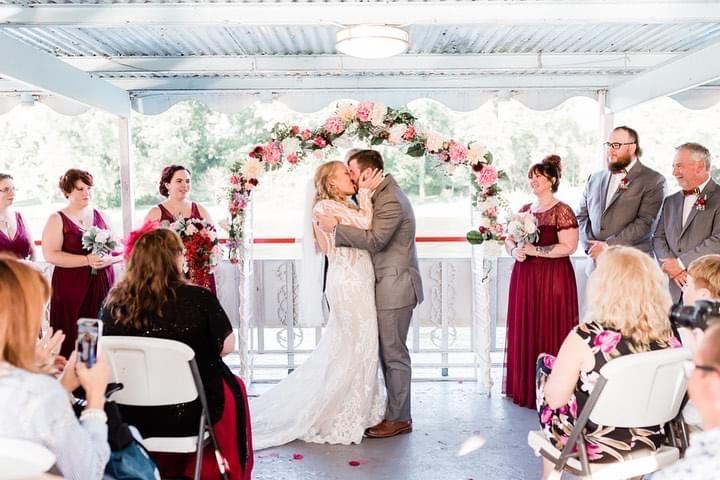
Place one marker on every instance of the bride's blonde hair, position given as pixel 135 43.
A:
pixel 325 191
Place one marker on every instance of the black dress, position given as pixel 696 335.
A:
pixel 196 319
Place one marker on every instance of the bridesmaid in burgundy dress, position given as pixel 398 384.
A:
pixel 542 304
pixel 175 185
pixel 76 292
pixel 15 238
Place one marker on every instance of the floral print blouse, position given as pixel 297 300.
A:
pixel 603 443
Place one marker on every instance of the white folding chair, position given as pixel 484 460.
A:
pixel 23 459
pixel 637 390
pixel 156 371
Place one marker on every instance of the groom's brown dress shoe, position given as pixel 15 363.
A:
pixel 389 428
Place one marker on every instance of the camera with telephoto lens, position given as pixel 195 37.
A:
pixel 701 315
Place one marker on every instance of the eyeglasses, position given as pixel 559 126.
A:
pixel 617 145
pixel 689 366
pixel 8 189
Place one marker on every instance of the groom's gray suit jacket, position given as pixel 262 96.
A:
pixel 391 242
pixel 700 235
pixel 630 216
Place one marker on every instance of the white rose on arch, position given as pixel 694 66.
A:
pixel 396 132
pixel 488 203
pixel 485 222
pixel 433 142
pixel 377 116
pixel 346 112
pixel 253 168
pixel 476 153
pixel 289 146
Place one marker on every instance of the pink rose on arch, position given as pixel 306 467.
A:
pixel 272 153
pixel 457 152
pixel 548 361
pixel 498 230
pixel 320 142
pixel 334 125
pixel 546 415
pixel 364 111
pixel 491 212
pixel 409 133
pixel 306 134
pixel 487 177
pixel 292 159
pixel 607 341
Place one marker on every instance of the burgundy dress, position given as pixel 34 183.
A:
pixel 18 246
pixel 542 306
pixel 165 215
pixel 76 293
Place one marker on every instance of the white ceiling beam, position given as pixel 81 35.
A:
pixel 687 71
pixel 367 82
pixel 342 63
pixel 398 13
pixel 45 72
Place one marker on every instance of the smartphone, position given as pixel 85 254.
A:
pixel 89 332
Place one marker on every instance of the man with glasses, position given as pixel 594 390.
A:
pixel 702 458
pixel 620 205
pixel 689 224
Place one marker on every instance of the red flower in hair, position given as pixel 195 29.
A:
pixel 133 236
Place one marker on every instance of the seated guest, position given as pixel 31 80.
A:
pixel 703 280
pixel 627 312
pixel 153 299
pixel 702 458
pixel 15 237
pixel 35 406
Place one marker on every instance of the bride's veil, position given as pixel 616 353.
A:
pixel 312 268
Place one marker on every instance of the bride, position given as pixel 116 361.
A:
pixel 337 392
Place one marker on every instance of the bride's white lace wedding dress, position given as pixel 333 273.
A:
pixel 338 391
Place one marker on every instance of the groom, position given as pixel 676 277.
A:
pixel 398 288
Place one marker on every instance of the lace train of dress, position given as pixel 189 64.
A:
pixel 338 391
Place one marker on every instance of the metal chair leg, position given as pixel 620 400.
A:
pixel 200 449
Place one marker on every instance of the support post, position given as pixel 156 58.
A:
pixel 127 197
pixel 606 119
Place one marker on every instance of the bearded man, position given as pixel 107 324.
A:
pixel 621 204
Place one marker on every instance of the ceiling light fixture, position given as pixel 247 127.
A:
pixel 372 41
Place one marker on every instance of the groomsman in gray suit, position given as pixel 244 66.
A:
pixel 398 286
pixel 620 205
pixel 689 224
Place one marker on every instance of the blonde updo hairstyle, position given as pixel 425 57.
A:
pixel 323 186
pixel 629 293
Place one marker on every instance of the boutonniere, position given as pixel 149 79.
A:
pixel 624 184
pixel 700 202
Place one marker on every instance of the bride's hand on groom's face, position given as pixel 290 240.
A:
pixel 370 178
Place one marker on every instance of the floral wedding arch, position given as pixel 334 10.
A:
pixel 376 124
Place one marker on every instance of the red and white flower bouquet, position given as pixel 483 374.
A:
pixel 202 250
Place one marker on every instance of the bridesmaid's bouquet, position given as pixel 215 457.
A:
pixel 202 249
pixel 98 242
pixel 522 228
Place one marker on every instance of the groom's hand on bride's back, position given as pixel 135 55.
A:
pixel 326 223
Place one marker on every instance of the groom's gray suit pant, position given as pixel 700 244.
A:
pixel 393 326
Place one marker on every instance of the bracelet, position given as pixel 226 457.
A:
pixel 87 259
pixel 93 414
pixel 512 250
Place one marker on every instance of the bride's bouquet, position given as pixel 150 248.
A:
pixel 98 242
pixel 202 250
pixel 522 228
